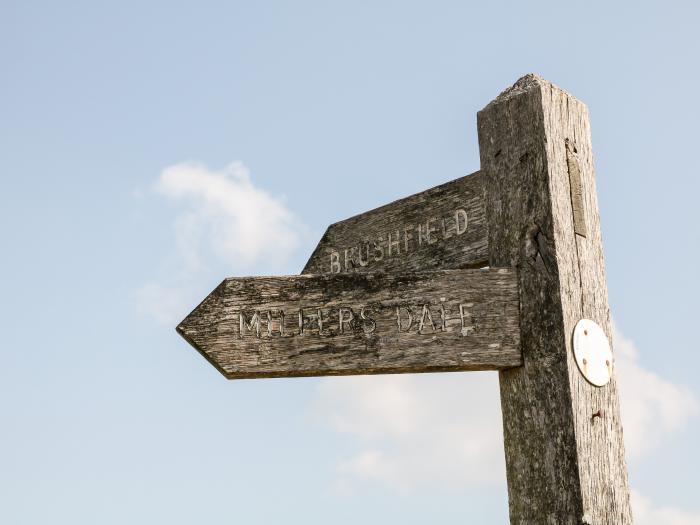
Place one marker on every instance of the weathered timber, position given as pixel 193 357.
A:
pixel 564 466
pixel 359 324
pixel 443 227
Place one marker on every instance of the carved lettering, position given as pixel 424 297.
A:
pixel 335 262
pixel 429 230
pixel 394 243
pixel 411 236
pixel 461 218
pixel 418 319
pixel 253 325
pixel 398 319
pixel 301 321
pixel 269 322
pixel 407 236
pixel 348 259
pixel 378 249
pixel 425 314
pixel 466 318
pixel 320 321
pixel 446 232
pixel 367 320
pixel 345 317
pixel 359 258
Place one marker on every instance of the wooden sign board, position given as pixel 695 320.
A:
pixel 359 324
pixel 440 228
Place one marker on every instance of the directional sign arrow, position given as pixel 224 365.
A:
pixel 312 325
pixel 440 228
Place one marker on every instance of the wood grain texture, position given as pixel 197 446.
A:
pixel 443 227
pixel 369 324
pixel 563 465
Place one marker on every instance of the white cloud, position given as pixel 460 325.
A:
pixel 165 304
pixel 445 429
pixel 646 514
pixel 417 430
pixel 227 215
pixel 652 408
pixel 224 223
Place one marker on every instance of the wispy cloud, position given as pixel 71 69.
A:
pixel 226 215
pixel 223 220
pixel 647 514
pixel 417 430
pixel 445 429
pixel 652 407
pixel 165 304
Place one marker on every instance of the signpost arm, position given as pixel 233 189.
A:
pixel 563 436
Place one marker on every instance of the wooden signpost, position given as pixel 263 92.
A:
pixel 398 290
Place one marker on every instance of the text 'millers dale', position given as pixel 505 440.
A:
pixel 359 324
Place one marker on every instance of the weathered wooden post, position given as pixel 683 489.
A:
pixel 563 437
pixel 403 289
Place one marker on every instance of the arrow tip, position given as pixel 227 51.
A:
pixel 185 331
pixel 190 328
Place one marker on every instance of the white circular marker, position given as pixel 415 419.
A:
pixel 592 352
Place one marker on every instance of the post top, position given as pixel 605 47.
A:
pixel 524 84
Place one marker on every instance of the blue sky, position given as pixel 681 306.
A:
pixel 134 139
